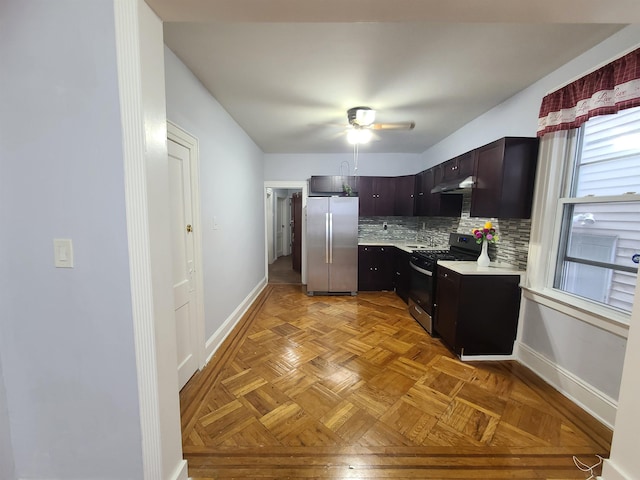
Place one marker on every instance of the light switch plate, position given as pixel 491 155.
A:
pixel 63 253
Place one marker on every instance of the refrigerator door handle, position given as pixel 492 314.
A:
pixel 326 238
pixel 331 238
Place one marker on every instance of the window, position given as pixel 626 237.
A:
pixel 599 237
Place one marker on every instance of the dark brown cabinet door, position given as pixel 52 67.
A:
pixel 385 195
pixel 477 314
pixel 459 167
pixel 402 280
pixel 423 190
pixel 405 195
pixel 487 193
pixel 436 204
pixel 377 196
pixel 505 175
pixel 449 169
pixel 446 306
pixel 331 184
pixel 466 164
pixel 367 197
pixel 376 268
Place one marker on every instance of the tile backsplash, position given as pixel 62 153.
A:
pixel 512 246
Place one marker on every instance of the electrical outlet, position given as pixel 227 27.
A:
pixel 384 225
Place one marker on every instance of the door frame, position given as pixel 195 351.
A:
pixel 182 137
pixel 280 234
pixel 289 185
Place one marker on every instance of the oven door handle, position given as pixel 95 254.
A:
pixel 421 270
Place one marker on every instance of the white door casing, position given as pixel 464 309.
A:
pixel 280 221
pixel 185 236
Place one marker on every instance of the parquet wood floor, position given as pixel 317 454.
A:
pixel 352 387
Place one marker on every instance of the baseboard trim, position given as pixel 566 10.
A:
pixel 181 472
pixel 486 358
pixel 610 471
pixel 596 403
pixel 215 340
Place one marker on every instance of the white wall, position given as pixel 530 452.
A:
pixel 624 463
pixel 231 188
pixel 301 167
pixel 518 116
pixel 593 356
pixel 7 470
pixel 66 335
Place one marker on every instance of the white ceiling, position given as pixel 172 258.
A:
pixel 287 70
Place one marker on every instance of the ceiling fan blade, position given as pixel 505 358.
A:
pixel 393 126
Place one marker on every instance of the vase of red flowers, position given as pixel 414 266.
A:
pixel 484 236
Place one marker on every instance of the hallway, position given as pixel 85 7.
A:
pixel 281 271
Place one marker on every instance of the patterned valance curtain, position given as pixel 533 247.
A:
pixel 614 87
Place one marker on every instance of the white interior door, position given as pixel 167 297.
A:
pixel 182 240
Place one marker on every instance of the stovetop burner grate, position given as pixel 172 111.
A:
pixel 462 247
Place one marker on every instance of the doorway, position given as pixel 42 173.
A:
pixel 285 266
pixel 284 222
pixel 186 250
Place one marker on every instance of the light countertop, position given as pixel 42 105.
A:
pixel 404 246
pixel 472 268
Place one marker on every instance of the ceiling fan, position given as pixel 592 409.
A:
pixel 362 121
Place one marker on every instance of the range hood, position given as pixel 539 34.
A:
pixel 455 185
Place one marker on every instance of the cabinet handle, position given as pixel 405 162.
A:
pixel 445 275
pixel 420 194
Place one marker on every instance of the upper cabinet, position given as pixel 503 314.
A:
pixel 460 167
pixel 505 175
pixel 500 175
pixel 405 195
pixel 377 196
pixel 435 204
pixel 332 184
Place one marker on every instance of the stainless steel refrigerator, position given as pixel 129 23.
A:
pixel 332 245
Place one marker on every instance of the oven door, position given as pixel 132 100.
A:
pixel 422 287
pixel 421 297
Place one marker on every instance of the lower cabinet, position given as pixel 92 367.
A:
pixel 477 314
pixel 402 274
pixel 375 268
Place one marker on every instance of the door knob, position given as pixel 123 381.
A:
pixel 189 228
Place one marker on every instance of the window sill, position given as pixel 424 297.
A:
pixel 607 319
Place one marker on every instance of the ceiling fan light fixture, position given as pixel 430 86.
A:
pixel 361 116
pixel 365 117
pixel 358 136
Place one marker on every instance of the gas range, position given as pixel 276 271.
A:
pixel 427 260
pixel 461 247
pixel 423 265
